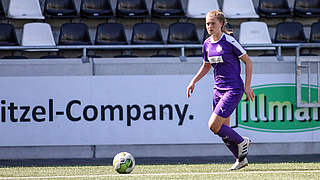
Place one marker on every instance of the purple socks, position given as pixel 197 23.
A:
pixel 226 131
pixel 231 139
pixel 232 146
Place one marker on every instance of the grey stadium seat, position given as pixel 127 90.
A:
pixel 110 34
pixel 183 33
pixel 146 33
pixel 74 34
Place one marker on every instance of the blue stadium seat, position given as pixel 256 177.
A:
pixel 96 9
pixel 307 8
pixel 110 34
pixel 290 32
pixel 183 33
pixel 131 9
pixel 8 35
pixel 146 33
pixel 60 9
pixel 273 8
pixel 315 33
pixel 167 9
pixel 74 34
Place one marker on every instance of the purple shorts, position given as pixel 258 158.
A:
pixel 225 101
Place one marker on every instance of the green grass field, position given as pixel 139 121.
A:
pixel 169 171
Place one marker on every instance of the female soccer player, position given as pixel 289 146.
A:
pixel 222 52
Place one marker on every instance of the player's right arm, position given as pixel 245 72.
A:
pixel 204 69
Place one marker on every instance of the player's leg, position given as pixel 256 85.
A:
pixel 220 120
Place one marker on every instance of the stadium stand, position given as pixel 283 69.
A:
pixel 273 8
pixel 315 33
pixel 2 11
pixel 146 33
pixel 96 9
pixel 110 34
pixel 8 35
pixel 38 34
pixel 239 9
pixel 183 33
pixel 131 9
pixel 254 32
pixel 74 34
pixel 21 9
pixel 199 8
pixel 290 32
pixel 307 8
pixel 167 9
pixel 107 28
pixel 60 9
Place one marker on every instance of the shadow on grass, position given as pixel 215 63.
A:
pixel 158 161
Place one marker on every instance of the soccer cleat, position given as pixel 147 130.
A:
pixel 239 164
pixel 243 149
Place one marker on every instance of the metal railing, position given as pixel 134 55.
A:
pixel 182 48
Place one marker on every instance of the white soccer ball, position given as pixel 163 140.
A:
pixel 123 162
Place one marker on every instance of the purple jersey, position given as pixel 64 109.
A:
pixel 224 57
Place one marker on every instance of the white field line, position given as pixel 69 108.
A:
pixel 160 174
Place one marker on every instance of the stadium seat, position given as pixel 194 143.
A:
pixel 167 9
pixel 110 34
pixel 131 9
pixel 8 35
pixel 273 8
pixel 315 33
pixel 146 33
pixel 74 34
pixel 60 9
pixel 96 9
pixel 255 33
pixel 183 33
pixel 200 8
pixel 239 9
pixel 38 34
pixel 290 32
pixel 2 11
pixel 22 9
pixel 205 35
pixel 307 8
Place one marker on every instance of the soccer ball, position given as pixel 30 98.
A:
pixel 123 162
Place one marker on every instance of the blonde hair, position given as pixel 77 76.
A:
pixel 220 17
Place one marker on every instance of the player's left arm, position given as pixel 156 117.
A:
pixel 247 88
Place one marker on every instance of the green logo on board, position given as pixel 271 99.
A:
pixel 275 110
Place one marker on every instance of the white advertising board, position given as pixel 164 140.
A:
pixel 105 110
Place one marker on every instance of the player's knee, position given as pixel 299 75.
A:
pixel 214 126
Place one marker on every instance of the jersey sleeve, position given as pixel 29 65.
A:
pixel 204 52
pixel 237 48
